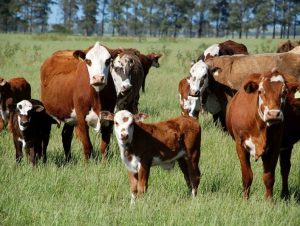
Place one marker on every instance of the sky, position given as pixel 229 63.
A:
pixel 55 16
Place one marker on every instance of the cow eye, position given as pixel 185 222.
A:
pixel 88 62
pixel 107 62
pixel 116 123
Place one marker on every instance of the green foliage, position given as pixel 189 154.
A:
pixel 98 193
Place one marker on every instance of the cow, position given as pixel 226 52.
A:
pixel 230 71
pixel 287 46
pixel 255 121
pixel 143 145
pixel 148 61
pixel 31 126
pixel 72 85
pixel 12 91
pixel 191 89
pixel 228 47
pixel 127 73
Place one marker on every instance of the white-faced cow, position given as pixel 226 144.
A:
pixel 127 73
pixel 12 91
pixel 31 127
pixel 143 145
pixel 255 121
pixel 71 92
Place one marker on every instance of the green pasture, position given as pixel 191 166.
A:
pixel 97 193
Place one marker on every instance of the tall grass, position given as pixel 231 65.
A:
pixel 98 193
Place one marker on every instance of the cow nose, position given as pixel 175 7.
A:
pixel 273 115
pixel 24 124
pixel 124 136
pixel 98 79
pixel 194 93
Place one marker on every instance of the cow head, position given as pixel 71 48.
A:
pixel 121 69
pixel 154 59
pixel 271 92
pixel 97 60
pixel 198 79
pixel 25 109
pixel 123 124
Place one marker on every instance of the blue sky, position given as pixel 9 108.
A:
pixel 55 16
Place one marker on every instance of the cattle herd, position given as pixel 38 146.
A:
pixel 255 98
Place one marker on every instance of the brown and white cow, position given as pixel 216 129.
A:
pixel 255 121
pixel 12 91
pixel 230 71
pixel 31 127
pixel 71 92
pixel 143 145
pixel 287 46
pixel 228 47
pixel 127 73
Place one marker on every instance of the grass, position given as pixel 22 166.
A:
pixel 98 193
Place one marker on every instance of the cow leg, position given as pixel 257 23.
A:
pixel 18 147
pixel 106 133
pixel 247 175
pixel 32 156
pixel 1 124
pixel 67 135
pixel 194 172
pixel 269 163
pixel 285 166
pixel 184 168
pixel 83 133
pixel 133 180
pixel 45 143
pixel 143 176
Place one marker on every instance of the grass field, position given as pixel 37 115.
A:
pixel 76 193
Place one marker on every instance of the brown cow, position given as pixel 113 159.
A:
pixel 12 91
pixel 287 46
pixel 143 145
pixel 127 73
pixel 228 47
pixel 254 120
pixel 71 92
pixel 230 71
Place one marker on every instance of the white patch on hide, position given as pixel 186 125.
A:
pixel 22 141
pixel 277 78
pixel 93 120
pixel 250 146
pixel 72 120
pixel 213 50
pixel 169 163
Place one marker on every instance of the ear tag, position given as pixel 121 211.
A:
pixel 80 59
pixel 297 95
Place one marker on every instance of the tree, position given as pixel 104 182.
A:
pixel 88 21
pixel 8 14
pixel 69 9
pixel 219 13
pixel 103 4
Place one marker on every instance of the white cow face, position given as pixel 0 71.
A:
pixel 211 51
pixel 192 105
pixel 198 79
pixel 24 111
pixel 97 61
pixel 120 70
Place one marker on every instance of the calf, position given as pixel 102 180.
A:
pixel 228 47
pixel 127 73
pixel 31 127
pixel 191 89
pixel 254 120
pixel 144 145
pixel 12 91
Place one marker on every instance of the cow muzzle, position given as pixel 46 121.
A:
pixel 98 80
pixel 125 88
pixel 124 136
pixel 273 116
pixel 194 93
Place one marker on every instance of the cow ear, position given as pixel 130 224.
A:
pixel 38 108
pixel 293 87
pixel 140 117
pixel 12 107
pixel 250 87
pixel 214 71
pixel 79 55
pixel 106 115
pixel 157 56
pixel 2 82
pixel 115 52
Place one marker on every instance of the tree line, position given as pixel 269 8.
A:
pixel 189 18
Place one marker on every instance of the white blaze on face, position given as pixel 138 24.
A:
pixel 277 78
pixel 192 104
pixel 121 81
pixel 98 55
pixel 250 146
pixel 198 80
pixel 213 50
pixel 23 107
